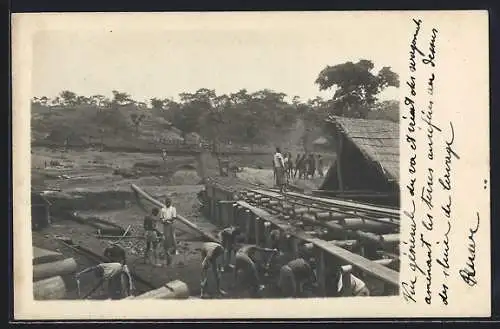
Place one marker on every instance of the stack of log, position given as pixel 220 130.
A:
pixel 50 268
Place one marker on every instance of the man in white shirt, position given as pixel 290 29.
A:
pixel 347 285
pixel 168 215
pixel 279 167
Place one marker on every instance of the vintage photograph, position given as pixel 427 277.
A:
pixel 214 164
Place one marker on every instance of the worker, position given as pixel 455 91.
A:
pixel 311 166
pixel 294 276
pixel 152 236
pixel 279 165
pixel 297 165
pixel 168 215
pixel 320 165
pixel 245 268
pixel 112 274
pixel 210 252
pixel 228 238
pixel 346 284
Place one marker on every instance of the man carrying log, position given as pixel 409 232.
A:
pixel 245 268
pixel 168 215
pixel 112 274
pixel 294 276
pixel 152 236
pixel 228 238
pixel 210 252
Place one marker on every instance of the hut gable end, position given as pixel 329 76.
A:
pixel 377 141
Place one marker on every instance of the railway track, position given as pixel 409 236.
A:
pixel 345 222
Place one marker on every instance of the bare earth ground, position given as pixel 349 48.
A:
pixel 107 195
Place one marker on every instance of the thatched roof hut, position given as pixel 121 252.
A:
pixel 367 156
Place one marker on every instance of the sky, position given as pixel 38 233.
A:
pixel 162 63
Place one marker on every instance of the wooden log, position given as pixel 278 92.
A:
pixel 366 225
pixel 322 215
pixel 390 238
pixel 344 243
pixel 383 240
pixel 384 262
pixel 172 290
pixel 265 200
pixel 300 210
pixel 47 270
pixel 273 202
pixel 309 218
pixel 51 288
pixel 41 256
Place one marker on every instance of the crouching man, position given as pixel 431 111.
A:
pixel 345 284
pixel 112 274
pixel 210 252
pixel 294 276
pixel 246 273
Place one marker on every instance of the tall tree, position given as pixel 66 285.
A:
pixel 156 103
pixel 121 98
pixel 68 97
pixel 355 86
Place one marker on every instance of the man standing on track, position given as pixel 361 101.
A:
pixel 210 252
pixel 168 215
pixel 279 165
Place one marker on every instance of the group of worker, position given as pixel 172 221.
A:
pixel 295 272
pixel 114 271
pixel 305 166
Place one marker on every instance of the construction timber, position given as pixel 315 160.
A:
pixel 361 237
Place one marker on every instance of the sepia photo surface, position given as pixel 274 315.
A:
pixel 251 165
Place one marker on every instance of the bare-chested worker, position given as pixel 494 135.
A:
pixel 294 276
pixel 152 236
pixel 346 285
pixel 112 274
pixel 210 252
pixel 228 239
pixel 245 268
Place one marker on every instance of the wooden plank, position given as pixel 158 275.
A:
pixel 373 269
pixel 379 271
pixel 158 204
pixel 41 256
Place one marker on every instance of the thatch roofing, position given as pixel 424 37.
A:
pixel 377 140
